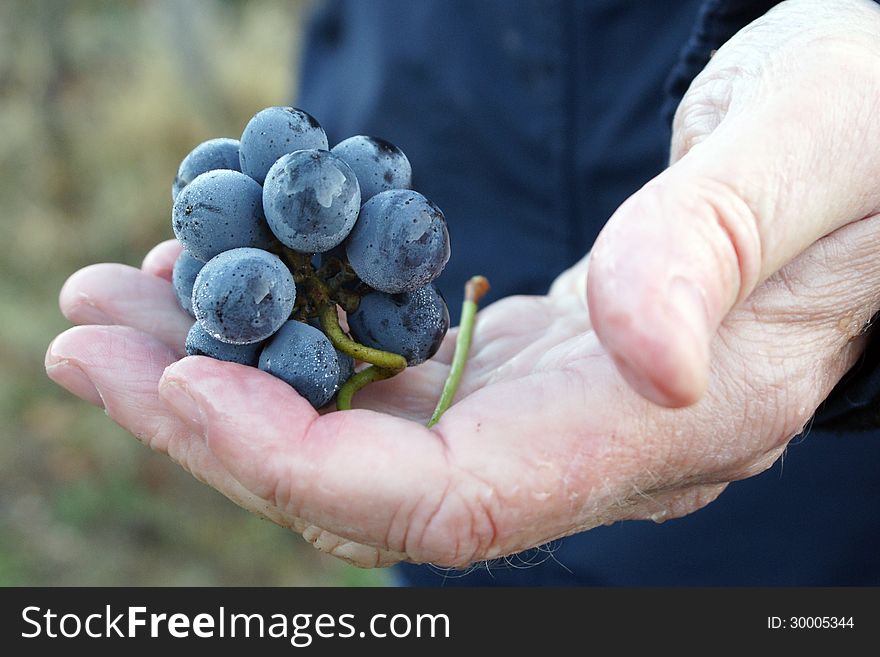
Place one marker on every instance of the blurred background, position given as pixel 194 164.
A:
pixel 99 102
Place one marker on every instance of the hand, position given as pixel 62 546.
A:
pixel 775 144
pixel 545 439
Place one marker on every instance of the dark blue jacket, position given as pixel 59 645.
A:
pixel 528 122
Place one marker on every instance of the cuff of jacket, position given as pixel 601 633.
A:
pixel 854 403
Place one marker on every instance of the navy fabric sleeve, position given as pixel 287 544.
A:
pixel 717 21
pixel 855 401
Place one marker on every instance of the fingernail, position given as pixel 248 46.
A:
pixel 69 375
pixel 690 317
pixel 182 402
pixel 86 312
pixel 688 303
pixel 640 384
pixel 673 371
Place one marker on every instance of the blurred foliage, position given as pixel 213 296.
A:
pixel 99 101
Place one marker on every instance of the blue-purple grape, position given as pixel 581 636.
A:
pixel 183 277
pixel 213 154
pixel 200 343
pixel 379 165
pixel 273 132
pixel 346 362
pixel 304 357
pixel 243 295
pixel 399 243
pixel 412 324
pixel 346 368
pixel 311 200
pixel 218 211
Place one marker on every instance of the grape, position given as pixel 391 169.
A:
pixel 346 362
pixel 183 276
pixel 412 324
pixel 303 356
pixel 273 132
pixel 218 211
pixel 243 295
pixel 311 199
pixel 399 243
pixel 213 154
pixel 200 343
pixel 346 368
pixel 378 164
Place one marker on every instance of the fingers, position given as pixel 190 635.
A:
pixel 123 367
pixel 572 283
pixel 119 294
pixel 68 371
pixel 366 476
pixel 119 368
pixel 780 171
pixel 161 258
pixel 357 554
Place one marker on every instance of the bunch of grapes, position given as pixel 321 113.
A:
pixel 282 237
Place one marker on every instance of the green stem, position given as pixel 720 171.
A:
pixel 474 290
pixel 316 293
pixel 384 359
pixel 358 381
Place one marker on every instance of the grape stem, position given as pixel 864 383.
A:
pixel 323 297
pixel 383 359
pixel 474 290
pixel 384 364
pixel 358 381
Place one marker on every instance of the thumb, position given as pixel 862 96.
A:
pixel 794 154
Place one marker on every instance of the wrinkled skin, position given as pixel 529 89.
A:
pixel 767 219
